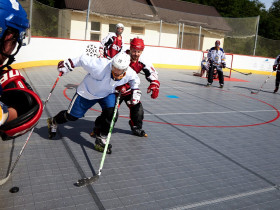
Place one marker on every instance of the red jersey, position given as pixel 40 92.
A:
pixel 111 45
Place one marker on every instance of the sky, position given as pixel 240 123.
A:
pixel 267 3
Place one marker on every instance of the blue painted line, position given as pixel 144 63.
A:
pixel 172 96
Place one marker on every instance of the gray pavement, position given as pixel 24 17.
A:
pixel 207 148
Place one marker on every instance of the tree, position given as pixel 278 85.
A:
pixel 269 20
pixel 50 3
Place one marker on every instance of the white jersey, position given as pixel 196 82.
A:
pixel 98 83
pixel 216 56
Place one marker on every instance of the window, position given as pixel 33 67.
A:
pixel 112 27
pixel 95 31
pixel 137 30
pixel 94 37
pixel 95 26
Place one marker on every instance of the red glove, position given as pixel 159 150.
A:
pixel 124 89
pixel 154 86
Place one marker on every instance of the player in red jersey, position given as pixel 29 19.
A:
pixel 138 64
pixel 112 44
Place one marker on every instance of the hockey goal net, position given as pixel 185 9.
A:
pixel 229 60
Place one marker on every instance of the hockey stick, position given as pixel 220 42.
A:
pixel 86 181
pixel 240 71
pixel 256 92
pixel 3 181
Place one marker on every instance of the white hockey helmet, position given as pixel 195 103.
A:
pixel 121 61
pixel 119 25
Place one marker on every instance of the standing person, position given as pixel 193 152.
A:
pixel 98 86
pixel 112 44
pixel 14 27
pixel 276 67
pixel 217 59
pixel 138 64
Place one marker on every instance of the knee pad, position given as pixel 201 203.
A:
pixel 137 109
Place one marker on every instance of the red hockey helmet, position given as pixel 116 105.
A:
pixel 217 43
pixel 18 94
pixel 137 44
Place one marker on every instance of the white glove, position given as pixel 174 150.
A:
pixel 65 66
pixel 136 95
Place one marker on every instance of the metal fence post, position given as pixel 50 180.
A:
pixel 183 26
pixel 256 36
pixel 160 28
pixel 87 19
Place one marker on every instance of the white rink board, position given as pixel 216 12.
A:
pixel 47 49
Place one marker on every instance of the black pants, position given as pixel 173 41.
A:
pixel 277 80
pixel 220 74
pixel 136 111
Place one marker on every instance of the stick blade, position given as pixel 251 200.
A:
pixel 86 181
pixel 254 92
pixel 3 181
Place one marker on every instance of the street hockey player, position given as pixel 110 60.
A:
pixel 112 44
pixel 217 59
pixel 98 86
pixel 138 64
pixel 276 67
pixel 20 107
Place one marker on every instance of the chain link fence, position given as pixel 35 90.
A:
pixel 239 35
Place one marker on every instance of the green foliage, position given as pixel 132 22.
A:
pixel 269 26
pixel 45 20
pixel 50 3
pixel 249 8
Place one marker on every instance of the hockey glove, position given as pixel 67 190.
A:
pixel 223 65
pixel 154 87
pixel 65 66
pixel 124 89
pixel 136 95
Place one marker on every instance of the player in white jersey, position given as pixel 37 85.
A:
pixel 276 67
pixel 98 86
pixel 217 59
pixel 112 44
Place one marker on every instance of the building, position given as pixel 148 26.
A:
pixel 169 23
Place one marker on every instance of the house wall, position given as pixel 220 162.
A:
pixel 168 36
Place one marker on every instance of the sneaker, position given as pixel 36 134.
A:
pixel 52 127
pixel 137 131
pixel 208 84
pixel 100 143
pixel 221 85
pixel 276 89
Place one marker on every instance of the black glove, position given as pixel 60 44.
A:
pixel 223 65
pixel 274 67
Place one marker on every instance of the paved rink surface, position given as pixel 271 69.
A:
pixel 207 149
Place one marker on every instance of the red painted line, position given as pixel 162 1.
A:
pixel 207 126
